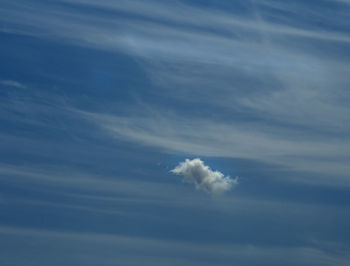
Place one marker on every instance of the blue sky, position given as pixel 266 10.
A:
pixel 100 100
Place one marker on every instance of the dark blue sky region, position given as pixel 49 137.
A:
pixel 100 100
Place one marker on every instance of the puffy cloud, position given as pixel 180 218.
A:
pixel 195 171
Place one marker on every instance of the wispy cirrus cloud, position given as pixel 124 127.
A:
pixel 79 245
pixel 12 83
pixel 267 88
pixel 213 18
pixel 291 148
pixel 283 84
pixel 114 189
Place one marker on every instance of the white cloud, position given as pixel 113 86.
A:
pixel 195 171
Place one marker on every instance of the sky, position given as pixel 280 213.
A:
pixel 187 132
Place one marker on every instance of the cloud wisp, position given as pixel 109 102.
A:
pixel 213 182
pixel 12 83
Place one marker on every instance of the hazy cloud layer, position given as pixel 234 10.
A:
pixel 195 171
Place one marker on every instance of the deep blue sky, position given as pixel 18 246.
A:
pixel 99 100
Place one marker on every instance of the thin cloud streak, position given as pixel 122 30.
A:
pixel 12 83
pixel 94 188
pixel 210 18
pixel 201 137
pixel 172 252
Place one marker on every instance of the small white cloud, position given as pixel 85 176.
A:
pixel 195 171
